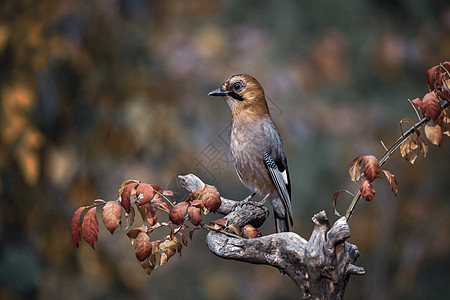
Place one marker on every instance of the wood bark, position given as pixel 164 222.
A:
pixel 320 266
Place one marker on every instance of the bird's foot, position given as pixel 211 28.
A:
pixel 247 201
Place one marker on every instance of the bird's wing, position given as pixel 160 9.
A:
pixel 276 163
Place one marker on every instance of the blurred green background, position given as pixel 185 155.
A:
pixel 97 92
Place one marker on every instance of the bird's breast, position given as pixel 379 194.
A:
pixel 247 145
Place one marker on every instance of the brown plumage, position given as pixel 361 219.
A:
pixel 256 145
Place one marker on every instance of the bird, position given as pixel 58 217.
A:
pixel 256 146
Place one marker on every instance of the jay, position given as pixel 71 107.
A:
pixel 256 146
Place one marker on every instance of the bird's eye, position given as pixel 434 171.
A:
pixel 237 86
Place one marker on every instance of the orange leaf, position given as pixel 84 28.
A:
pixel 112 212
pixel 75 226
pixel 371 167
pixel 434 134
pixel 367 190
pixel 392 181
pixel 90 227
pixel 143 247
pixel 355 169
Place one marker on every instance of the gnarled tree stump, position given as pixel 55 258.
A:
pixel 321 267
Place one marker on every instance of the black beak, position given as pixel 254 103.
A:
pixel 218 92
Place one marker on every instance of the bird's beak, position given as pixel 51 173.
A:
pixel 218 92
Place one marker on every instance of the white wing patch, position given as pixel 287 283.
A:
pixel 284 174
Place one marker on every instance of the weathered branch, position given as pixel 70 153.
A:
pixel 320 267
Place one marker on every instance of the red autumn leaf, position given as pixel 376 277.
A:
pixel 251 232
pixel 143 247
pixel 434 133
pixel 150 214
pixel 211 198
pixel 126 194
pixel 144 193
pixel 184 239
pixel 195 195
pixel 431 77
pixel 75 226
pixel 392 181
pixel 222 222
pixel 355 169
pixel 371 167
pixel 195 215
pixel 160 202
pixel 112 212
pixel 431 107
pixel 90 227
pixel 167 193
pixel 367 190
pixel 418 102
pixel 178 213
pixel 133 233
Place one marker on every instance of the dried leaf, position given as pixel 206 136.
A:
pixel 431 77
pixel 125 194
pixel 392 181
pixel 167 193
pixel 195 195
pixel 130 218
pixel 195 215
pixel 133 233
pixel 355 169
pixel 145 193
pixel 178 213
pixel 419 103
pixel 367 190
pixel 111 214
pixel 211 198
pixel 99 201
pixel 160 202
pixel 147 266
pixel 184 239
pixel 251 232
pixel 445 121
pixel 222 222
pixel 90 227
pixel 156 255
pixel 409 149
pixel 169 248
pixel 75 226
pixel 235 229
pixel 433 132
pixel 143 247
pixel 150 214
pixel 431 107
pixel 371 167
pixel 422 146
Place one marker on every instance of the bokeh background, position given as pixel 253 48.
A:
pixel 96 92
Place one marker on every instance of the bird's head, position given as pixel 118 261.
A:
pixel 244 95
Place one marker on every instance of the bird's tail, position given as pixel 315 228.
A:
pixel 281 223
